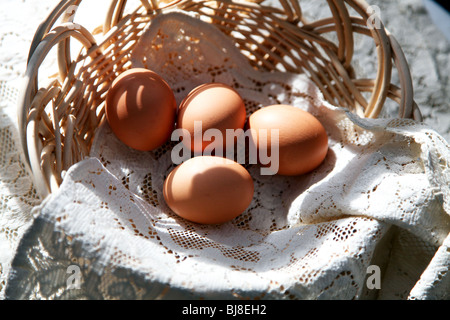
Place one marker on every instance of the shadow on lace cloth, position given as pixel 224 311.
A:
pixel 380 198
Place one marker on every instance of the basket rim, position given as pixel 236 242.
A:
pixel 389 53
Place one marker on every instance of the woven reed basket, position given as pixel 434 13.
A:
pixel 57 123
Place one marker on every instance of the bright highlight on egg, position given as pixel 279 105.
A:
pixel 216 106
pixel 207 189
pixel 302 142
pixel 141 109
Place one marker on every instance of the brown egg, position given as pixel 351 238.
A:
pixel 217 106
pixel 302 139
pixel 208 190
pixel 141 109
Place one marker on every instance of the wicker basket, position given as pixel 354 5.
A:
pixel 58 122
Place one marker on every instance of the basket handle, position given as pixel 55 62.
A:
pixel 31 104
pixel 49 22
pixel 389 55
pixel 408 108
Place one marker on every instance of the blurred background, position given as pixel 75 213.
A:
pixel 439 11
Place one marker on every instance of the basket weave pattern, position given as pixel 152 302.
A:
pixel 58 122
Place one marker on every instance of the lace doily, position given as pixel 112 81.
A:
pixel 17 193
pixel 381 198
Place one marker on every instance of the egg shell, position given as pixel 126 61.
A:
pixel 217 106
pixel 208 190
pixel 141 109
pixel 302 143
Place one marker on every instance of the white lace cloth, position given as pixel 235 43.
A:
pixel 380 199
